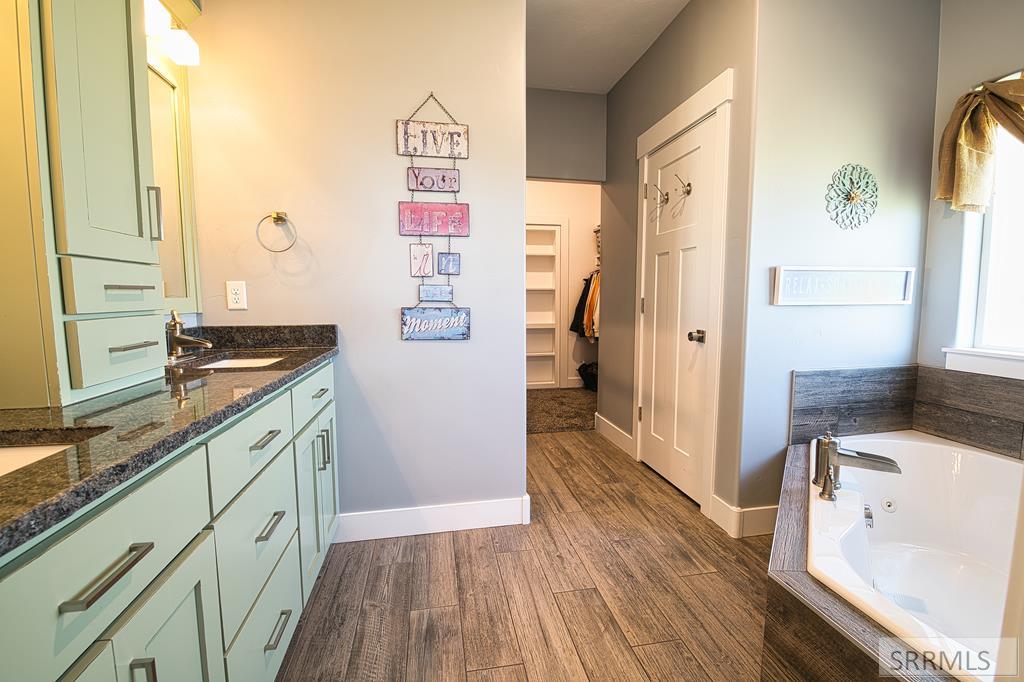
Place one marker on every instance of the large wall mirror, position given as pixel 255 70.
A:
pixel 172 161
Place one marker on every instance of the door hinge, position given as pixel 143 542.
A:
pixel 640 413
pixel 645 190
pixel 642 300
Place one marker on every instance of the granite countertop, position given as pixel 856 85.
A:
pixel 117 437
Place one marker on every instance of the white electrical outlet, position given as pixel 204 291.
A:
pixel 237 298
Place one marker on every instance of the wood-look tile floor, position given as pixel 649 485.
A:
pixel 618 577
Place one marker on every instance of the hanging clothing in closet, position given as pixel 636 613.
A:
pixel 587 318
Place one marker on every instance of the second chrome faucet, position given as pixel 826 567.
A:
pixel 178 342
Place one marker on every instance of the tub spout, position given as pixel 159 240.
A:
pixel 829 457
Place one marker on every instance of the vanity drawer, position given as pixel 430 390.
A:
pixel 104 286
pixel 251 534
pixel 114 347
pixel 259 648
pixel 58 603
pixel 238 454
pixel 311 394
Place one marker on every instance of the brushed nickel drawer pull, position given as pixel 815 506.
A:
pixel 320 394
pixel 269 529
pixel 133 346
pixel 279 627
pixel 146 665
pixel 100 586
pixel 129 287
pixel 265 440
pixel 159 237
pixel 322 466
pixel 327 445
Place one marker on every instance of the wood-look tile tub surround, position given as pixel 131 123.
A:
pixel 974 409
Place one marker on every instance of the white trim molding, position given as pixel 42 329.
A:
pixel 999 363
pixel 698 106
pixel 613 433
pixel 436 518
pixel 741 522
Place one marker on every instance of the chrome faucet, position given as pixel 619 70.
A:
pixel 828 456
pixel 178 342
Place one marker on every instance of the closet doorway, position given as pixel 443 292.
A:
pixel 562 237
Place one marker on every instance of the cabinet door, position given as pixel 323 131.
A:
pixel 172 631
pixel 307 482
pixel 97 103
pixel 327 467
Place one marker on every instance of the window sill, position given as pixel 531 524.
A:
pixel 984 361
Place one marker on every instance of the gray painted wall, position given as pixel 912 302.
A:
pixel 965 24
pixel 565 135
pixel 418 423
pixel 706 38
pixel 834 86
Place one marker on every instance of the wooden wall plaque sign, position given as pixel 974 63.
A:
pixel 421 260
pixel 437 293
pixel 831 285
pixel 429 138
pixel 433 179
pixel 432 219
pixel 435 324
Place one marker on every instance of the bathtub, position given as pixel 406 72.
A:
pixel 935 567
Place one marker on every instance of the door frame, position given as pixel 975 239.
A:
pixel 712 102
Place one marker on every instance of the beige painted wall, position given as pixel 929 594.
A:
pixel 295 110
pixel 580 203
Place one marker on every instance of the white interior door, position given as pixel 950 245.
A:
pixel 677 226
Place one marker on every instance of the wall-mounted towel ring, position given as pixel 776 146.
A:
pixel 279 218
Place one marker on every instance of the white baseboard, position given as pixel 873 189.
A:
pixel 617 436
pixel 390 523
pixel 741 522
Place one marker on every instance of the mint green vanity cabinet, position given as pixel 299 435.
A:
pixel 172 631
pixel 56 605
pixel 91 286
pixel 252 532
pixel 310 395
pixel 312 547
pixel 327 474
pixel 95 665
pixel 111 348
pixel 257 651
pixel 98 128
pixel 239 453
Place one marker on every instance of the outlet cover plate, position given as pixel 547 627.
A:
pixel 236 295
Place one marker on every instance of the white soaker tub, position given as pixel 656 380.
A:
pixel 934 569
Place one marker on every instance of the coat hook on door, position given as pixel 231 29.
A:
pixel 662 196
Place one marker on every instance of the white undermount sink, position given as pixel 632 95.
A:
pixel 15 457
pixel 237 363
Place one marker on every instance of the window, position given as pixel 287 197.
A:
pixel 1000 318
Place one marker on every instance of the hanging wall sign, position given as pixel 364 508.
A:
pixel 428 138
pixel 433 179
pixel 437 293
pixel 435 324
pixel 432 219
pixel 421 260
pixel 449 263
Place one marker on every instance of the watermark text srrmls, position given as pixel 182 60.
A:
pixel 982 657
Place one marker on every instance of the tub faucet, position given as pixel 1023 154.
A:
pixel 829 456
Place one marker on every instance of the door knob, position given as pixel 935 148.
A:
pixel 697 336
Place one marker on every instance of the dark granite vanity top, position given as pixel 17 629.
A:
pixel 116 437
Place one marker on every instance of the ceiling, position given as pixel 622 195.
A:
pixel 587 45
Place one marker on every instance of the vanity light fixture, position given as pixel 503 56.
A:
pixel 163 37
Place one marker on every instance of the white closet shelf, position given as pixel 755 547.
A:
pixel 540 325
pixel 546 354
pixel 540 288
pixel 540 250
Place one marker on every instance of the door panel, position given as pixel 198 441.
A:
pixel 98 115
pixel 677 224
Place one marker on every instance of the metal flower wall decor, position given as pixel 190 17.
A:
pixel 852 196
